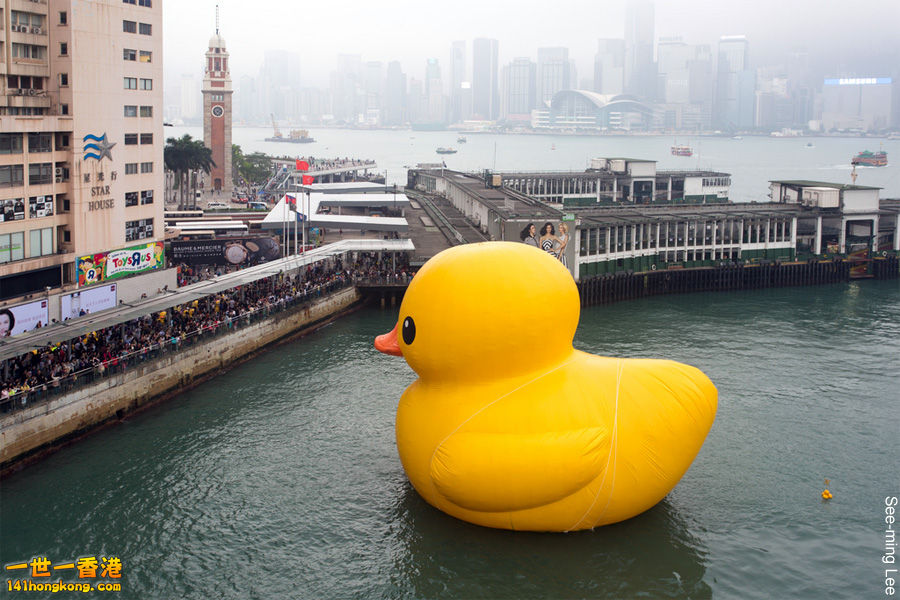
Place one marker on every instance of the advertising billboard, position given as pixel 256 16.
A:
pixel 119 263
pixel 88 301
pixel 24 317
pixel 226 252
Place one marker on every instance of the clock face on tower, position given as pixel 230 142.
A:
pixel 217 111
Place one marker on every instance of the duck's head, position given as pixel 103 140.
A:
pixel 485 310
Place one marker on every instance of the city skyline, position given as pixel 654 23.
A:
pixel 841 42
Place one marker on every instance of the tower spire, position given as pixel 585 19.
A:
pixel 217 19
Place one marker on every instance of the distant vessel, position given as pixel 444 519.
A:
pixel 553 146
pixel 296 136
pixel 682 151
pixel 443 150
pixel 870 159
pixel 810 145
pixel 461 139
pixel 737 137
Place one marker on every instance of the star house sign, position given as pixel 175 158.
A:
pixel 100 149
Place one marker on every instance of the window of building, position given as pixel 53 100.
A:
pixel 146 3
pixel 41 242
pixel 12 246
pixel 11 143
pixel 146 56
pixel 129 26
pixel 131 198
pixel 130 83
pixel 146 138
pixel 147 167
pixel 131 168
pixel 29 51
pixel 145 29
pixel 11 175
pixel 138 230
pixel 40 142
pixel 63 79
pixel 146 111
pixel 63 18
pixel 146 84
pixel 129 54
pixel 131 110
pixel 63 109
pixel 63 49
pixel 129 1
pixel 131 139
pixel 40 173
pixel 147 195
pixel 12 210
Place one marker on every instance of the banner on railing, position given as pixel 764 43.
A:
pixel 234 251
pixel 88 301
pixel 24 317
pixel 119 263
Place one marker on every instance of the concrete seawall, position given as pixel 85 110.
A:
pixel 31 432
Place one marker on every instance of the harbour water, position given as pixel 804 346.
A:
pixel 752 161
pixel 280 478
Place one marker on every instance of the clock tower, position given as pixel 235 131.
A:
pixel 217 116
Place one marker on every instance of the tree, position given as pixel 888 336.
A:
pixel 185 157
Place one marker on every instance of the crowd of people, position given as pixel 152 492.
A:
pixel 549 241
pixel 57 367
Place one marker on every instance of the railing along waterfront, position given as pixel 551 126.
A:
pixel 101 369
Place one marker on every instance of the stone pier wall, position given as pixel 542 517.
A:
pixel 28 432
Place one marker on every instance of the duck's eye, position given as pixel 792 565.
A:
pixel 409 330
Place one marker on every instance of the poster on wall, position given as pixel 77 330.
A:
pixel 12 210
pixel 88 301
pixel 119 263
pixel 24 317
pixel 235 251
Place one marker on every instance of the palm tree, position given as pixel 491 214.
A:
pixel 186 156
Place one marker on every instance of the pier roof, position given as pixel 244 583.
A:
pixel 823 184
pixel 60 332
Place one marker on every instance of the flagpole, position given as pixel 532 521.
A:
pixel 296 216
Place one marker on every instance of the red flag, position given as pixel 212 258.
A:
pixel 290 200
pixel 307 179
pixel 302 165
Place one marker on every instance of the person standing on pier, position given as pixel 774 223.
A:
pixel 563 239
pixel 549 241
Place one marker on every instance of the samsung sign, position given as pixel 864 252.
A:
pixel 863 81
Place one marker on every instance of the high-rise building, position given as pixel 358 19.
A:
pixel 457 76
pixel 640 70
pixel 518 90
pixel 735 85
pixel 609 67
pixel 553 73
pixel 83 174
pixel 857 103
pixel 190 99
pixel 684 88
pixel 434 91
pixel 395 95
pixel 347 93
pixel 485 83
pixel 217 116
pixel 373 85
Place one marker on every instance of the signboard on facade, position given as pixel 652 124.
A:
pixel 24 317
pixel 103 266
pixel 226 252
pixel 88 301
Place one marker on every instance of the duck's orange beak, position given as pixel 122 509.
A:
pixel 388 343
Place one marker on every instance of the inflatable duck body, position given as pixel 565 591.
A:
pixel 508 425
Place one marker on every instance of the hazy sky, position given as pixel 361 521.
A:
pixel 849 37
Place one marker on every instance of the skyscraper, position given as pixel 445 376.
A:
pixel 434 91
pixel 640 70
pixel 457 76
pixel 395 95
pixel 553 73
pixel 485 84
pixel 518 90
pixel 735 84
pixel 217 114
pixel 609 66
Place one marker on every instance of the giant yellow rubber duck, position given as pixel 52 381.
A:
pixel 508 425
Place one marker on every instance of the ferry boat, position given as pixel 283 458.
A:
pixel 461 139
pixel 682 151
pixel 443 150
pixel 870 159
